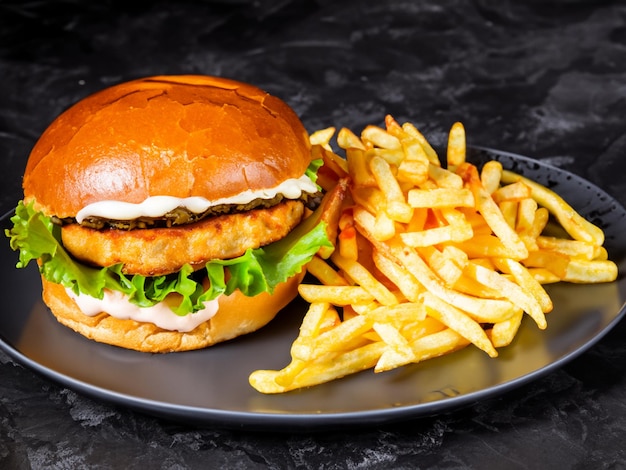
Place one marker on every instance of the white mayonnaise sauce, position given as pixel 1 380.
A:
pixel 117 305
pixel 157 206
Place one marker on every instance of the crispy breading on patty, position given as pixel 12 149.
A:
pixel 157 251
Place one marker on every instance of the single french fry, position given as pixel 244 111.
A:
pixel 485 246
pixel 379 137
pixel 346 139
pixel 394 128
pixel 444 178
pixel 512 192
pixel 399 314
pixel 459 322
pixel 333 161
pixel 583 271
pixel 331 210
pixel 577 226
pixel 322 137
pixel 572 248
pixel 337 295
pixel 384 228
pixel 440 197
pixel 396 208
pixel 358 168
pixel 543 276
pixel 348 247
pixel 503 333
pixel 438 344
pixel 525 223
pixel 456 145
pixel 325 273
pixel 418 221
pixel 359 274
pixel 491 175
pixel 509 213
pixel 403 279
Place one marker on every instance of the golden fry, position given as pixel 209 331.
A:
pixel 396 207
pixel 337 295
pixel 380 138
pixel 456 145
pixel 583 271
pixel 577 226
pixel 572 248
pixel 346 139
pixel 360 275
pixel 491 175
pixel 444 178
pixel 440 197
pixel 322 137
pixel 503 333
pixel 511 192
pixel 402 278
pixel 456 320
pixel 325 273
pixel 437 344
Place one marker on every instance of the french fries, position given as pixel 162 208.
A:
pixel 428 258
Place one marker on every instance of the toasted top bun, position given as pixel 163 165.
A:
pixel 178 136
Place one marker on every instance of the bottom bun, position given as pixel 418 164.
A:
pixel 237 315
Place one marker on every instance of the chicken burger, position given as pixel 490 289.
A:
pixel 170 213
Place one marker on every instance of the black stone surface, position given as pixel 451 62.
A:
pixel 542 78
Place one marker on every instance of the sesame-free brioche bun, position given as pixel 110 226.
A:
pixel 237 315
pixel 114 144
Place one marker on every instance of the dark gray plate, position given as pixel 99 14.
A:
pixel 211 386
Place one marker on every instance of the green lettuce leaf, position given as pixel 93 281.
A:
pixel 311 171
pixel 259 270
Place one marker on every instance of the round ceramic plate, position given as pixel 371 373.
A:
pixel 211 386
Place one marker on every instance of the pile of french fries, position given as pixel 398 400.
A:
pixel 427 258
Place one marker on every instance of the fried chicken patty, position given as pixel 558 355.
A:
pixel 158 251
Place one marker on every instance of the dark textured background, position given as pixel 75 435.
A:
pixel 541 78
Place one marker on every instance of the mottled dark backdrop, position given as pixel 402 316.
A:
pixel 542 78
